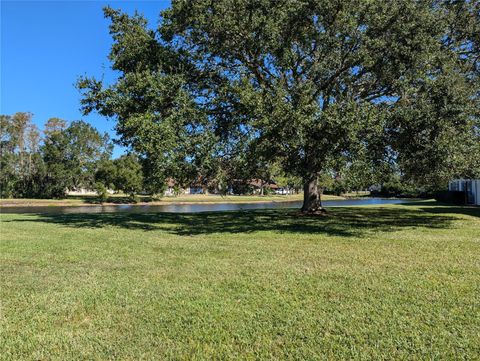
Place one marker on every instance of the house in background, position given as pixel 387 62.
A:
pixel 239 186
pixel 471 188
pixel 195 189
pixel 259 185
pixel 85 192
pixel 173 188
pixel 170 190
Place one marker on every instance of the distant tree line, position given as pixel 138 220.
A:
pixel 63 157
pixel 73 156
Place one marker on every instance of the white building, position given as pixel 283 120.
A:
pixel 471 187
pixel 85 192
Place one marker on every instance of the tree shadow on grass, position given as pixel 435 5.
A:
pixel 348 221
pixel 468 211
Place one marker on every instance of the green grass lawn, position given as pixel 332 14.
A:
pixel 391 282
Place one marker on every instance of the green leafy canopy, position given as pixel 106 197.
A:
pixel 308 85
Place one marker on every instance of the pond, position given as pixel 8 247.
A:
pixel 194 208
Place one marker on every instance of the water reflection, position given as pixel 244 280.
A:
pixel 193 208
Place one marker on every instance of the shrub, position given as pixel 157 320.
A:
pixel 101 191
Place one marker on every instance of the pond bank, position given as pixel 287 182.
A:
pixel 194 207
pixel 88 201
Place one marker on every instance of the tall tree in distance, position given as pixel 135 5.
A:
pixel 122 174
pixel 20 161
pixel 54 125
pixel 21 124
pixel 306 84
pixel 7 157
pixel 72 156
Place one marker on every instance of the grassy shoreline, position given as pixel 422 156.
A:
pixel 182 199
pixel 373 282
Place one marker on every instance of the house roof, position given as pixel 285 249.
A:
pixel 259 182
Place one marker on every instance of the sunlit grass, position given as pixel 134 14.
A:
pixel 392 282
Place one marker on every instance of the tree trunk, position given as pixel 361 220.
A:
pixel 311 196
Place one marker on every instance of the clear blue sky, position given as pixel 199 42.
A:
pixel 46 45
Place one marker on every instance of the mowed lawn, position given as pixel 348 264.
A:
pixel 391 282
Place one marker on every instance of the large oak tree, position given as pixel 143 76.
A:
pixel 305 84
